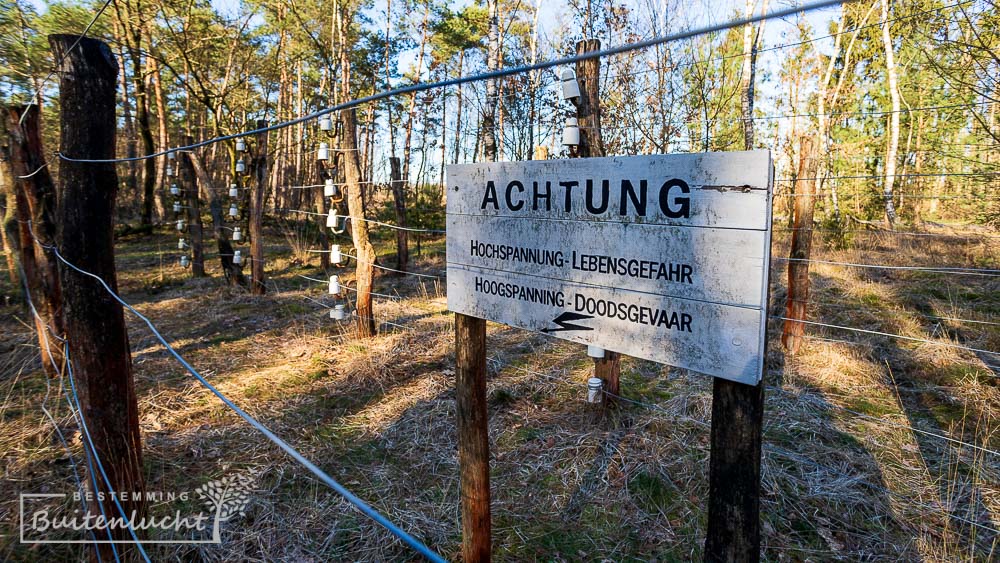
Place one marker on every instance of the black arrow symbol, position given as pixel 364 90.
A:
pixel 564 319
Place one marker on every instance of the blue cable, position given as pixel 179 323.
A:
pixel 100 466
pixel 319 473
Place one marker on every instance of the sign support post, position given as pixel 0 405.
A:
pixel 473 436
pixel 588 111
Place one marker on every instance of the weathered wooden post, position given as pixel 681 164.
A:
pixel 95 323
pixel 399 200
pixel 35 197
pixel 195 228
pixel 8 222
pixel 256 226
pixel 473 436
pixel 588 112
pixel 798 266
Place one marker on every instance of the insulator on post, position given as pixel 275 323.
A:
pixel 335 256
pixel 334 285
pixel 234 191
pixel 181 225
pixel 177 207
pixel 595 351
pixel 233 211
pixel 329 189
pixel 181 244
pixel 324 152
pixel 170 171
pixel 237 257
pixel 571 134
pixel 594 386
pixel 241 166
pixel 237 234
pixel 185 261
pixel 570 87
pixel 338 313
pixel 174 190
pixel 241 145
pixel 332 220
pixel 325 123
pixel 171 155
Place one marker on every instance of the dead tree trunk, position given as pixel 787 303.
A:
pixel 233 272
pixel 798 265
pixel 256 226
pixel 95 322
pixel 363 248
pixel 399 199
pixel 37 192
pixel 588 111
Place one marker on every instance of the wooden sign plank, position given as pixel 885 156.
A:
pixel 661 257
pixel 727 190
pixel 719 340
pixel 701 266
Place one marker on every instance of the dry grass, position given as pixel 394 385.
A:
pixel 845 477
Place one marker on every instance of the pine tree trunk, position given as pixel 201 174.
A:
pixel 893 126
pixel 365 252
pixel 487 129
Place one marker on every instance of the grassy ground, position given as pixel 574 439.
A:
pixel 855 466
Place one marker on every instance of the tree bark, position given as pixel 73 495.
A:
pixel 95 323
pixel 8 219
pixel 487 131
pixel 893 146
pixel 256 225
pixel 399 199
pixel 365 272
pixel 36 207
pixel 195 228
pixel 233 272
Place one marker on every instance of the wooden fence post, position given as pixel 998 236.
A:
pixel 588 111
pixel 8 221
pixel 801 248
pixel 256 226
pixel 473 436
pixel 399 199
pixel 195 229
pixel 95 322
pixel 35 197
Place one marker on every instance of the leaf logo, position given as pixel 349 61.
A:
pixel 227 497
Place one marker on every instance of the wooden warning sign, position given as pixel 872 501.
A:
pixel 660 257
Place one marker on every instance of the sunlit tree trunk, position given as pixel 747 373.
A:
pixel 893 127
